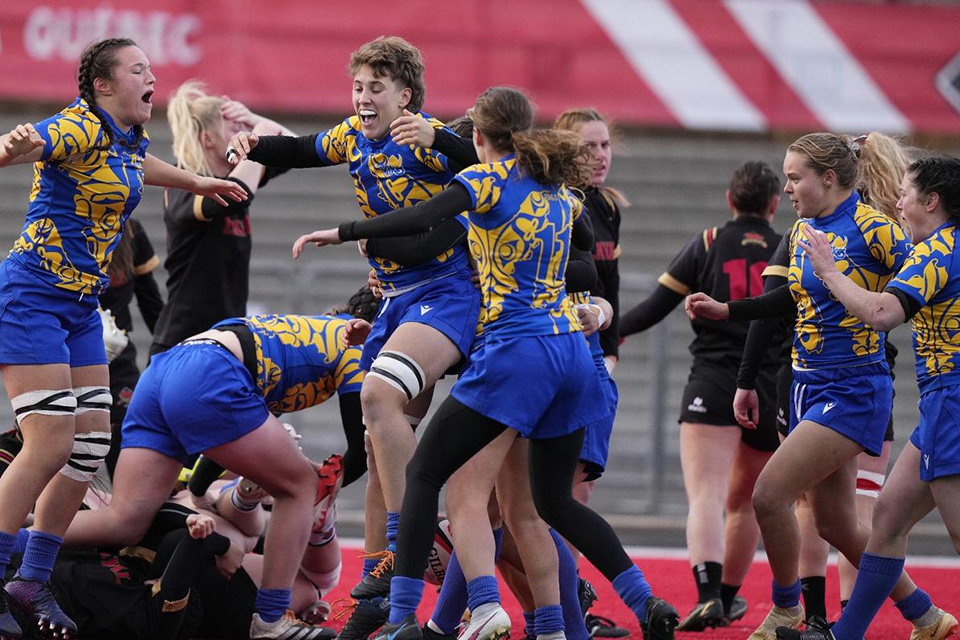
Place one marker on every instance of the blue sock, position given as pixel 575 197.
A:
pixel 529 624
pixel 573 624
pixel 453 597
pixel 39 556
pixel 405 594
pixel 393 525
pixel 369 564
pixel 549 619
pixel 914 605
pixel 497 542
pixel 271 603
pixel 786 597
pixel 481 591
pixel 634 590
pixel 8 544
pixel 21 545
pixel 875 581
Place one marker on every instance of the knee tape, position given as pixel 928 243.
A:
pixel 869 483
pixel 45 402
pixel 324 582
pixel 399 371
pixel 89 451
pixel 93 399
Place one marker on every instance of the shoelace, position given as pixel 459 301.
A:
pixel 346 609
pixel 385 564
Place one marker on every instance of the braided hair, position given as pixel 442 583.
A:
pixel 98 61
pixel 363 304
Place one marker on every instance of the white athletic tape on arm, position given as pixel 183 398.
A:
pixel 93 399
pixel 46 402
pixel 399 371
pixel 89 451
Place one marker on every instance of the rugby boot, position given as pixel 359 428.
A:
pixel 778 617
pixel 376 584
pixel 600 627
pixel 738 609
pixel 705 615
pixel 288 627
pixel 366 616
pixel 36 602
pixel 660 621
pixel 811 633
pixel 587 595
pixel 944 626
pixel 430 634
pixel 487 623
pixel 8 625
pixel 407 629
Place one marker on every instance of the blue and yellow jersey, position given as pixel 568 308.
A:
pixel 80 199
pixel 931 276
pixel 386 177
pixel 869 248
pixel 519 236
pixel 299 360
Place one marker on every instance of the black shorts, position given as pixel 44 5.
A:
pixel 708 399
pixel 784 380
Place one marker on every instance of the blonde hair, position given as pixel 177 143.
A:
pixel 882 165
pixel 191 112
pixel 572 120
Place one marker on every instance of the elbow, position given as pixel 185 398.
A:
pixel 884 320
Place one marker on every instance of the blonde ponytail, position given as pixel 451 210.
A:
pixel 191 112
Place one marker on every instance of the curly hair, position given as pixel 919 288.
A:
pixel 397 59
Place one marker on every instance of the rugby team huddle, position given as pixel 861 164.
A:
pixel 493 248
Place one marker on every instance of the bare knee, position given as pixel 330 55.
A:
pixel 766 501
pixel 888 526
pixel 379 402
pixel 297 482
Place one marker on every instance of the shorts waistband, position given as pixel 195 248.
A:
pixel 247 346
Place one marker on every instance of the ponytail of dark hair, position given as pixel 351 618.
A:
pixel 98 61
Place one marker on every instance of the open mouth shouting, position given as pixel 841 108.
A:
pixel 368 117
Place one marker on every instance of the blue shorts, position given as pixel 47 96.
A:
pixel 44 324
pixel 450 305
pixel 542 386
pixel 192 398
pixel 938 434
pixel 596 439
pixel 853 401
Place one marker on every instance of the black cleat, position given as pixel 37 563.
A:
pixel 811 633
pixel 8 625
pixel 661 620
pixel 376 584
pixel 600 627
pixel 705 615
pixel 430 634
pixel 587 596
pixel 366 616
pixel 738 609
pixel 816 621
pixel 408 629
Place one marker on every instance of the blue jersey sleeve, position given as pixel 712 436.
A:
pixel 926 271
pixel 70 132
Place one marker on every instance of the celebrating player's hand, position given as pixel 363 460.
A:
pixel 200 525
pixel 588 319
pixel 817 247
pixel 746 408
pixel 215 189
pixel 319 238
pixel 240 145
pixel 239 113
pixel 373 282
pixel 355 333
pixel 21 140
pixel 412 129
pixel 700 305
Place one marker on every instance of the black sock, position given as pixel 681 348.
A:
pixel 727 593
pixel 815 596
pixel 707 576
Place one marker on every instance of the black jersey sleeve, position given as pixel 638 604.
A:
pixel 772 304
pixel 655 308
pixel 419 248
pixel 355 457
pixel 289 152
pixel 184 206
pixel 683 273
pixel 418 218
pixel 582 235
pixel 145 286
pixel 581 273
pixel 459 151
pixel 759 336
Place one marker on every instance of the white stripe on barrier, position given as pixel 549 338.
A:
pixel 814 61
pixel 674 63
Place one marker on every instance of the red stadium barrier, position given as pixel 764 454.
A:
pixel 743 65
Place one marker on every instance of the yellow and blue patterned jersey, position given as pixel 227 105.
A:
pixel 299 359
pixel 931 276
pixel 519 236
pixel 80 199
pixel 386 177
pixel 869 248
